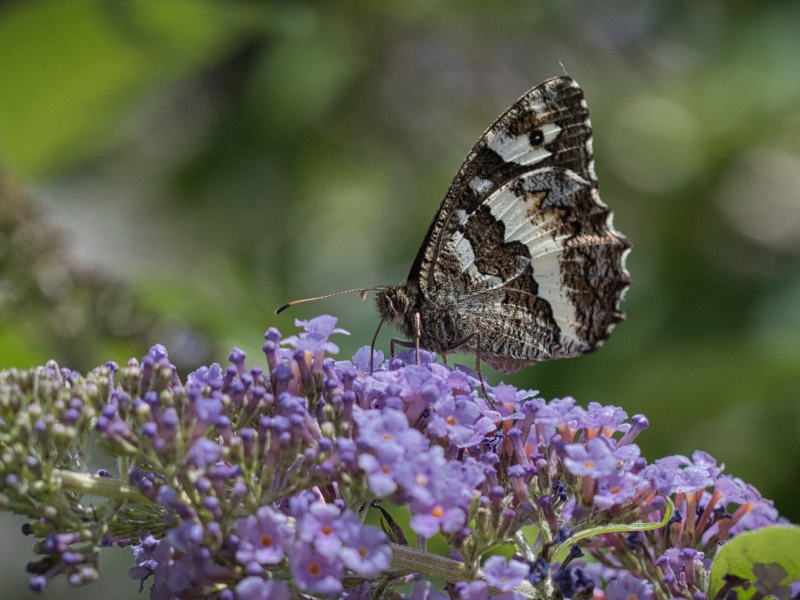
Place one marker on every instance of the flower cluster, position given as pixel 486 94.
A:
pixel 249 484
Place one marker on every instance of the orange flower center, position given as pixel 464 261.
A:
pixel 314 569
pixel 326 530
pixel 421 479
pixel 589 464
pixel 616 490
pixel 437 511
pixel 386 469
pixel 451 420
pixel 266 540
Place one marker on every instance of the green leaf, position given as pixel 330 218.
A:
pixel 618 528
pixel 768 558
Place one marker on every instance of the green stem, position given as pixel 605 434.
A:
pixel 433 565
pixel 107 487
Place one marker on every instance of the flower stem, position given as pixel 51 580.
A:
pixel 433 565
pixel 113 489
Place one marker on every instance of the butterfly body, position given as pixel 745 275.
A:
pixel 521 262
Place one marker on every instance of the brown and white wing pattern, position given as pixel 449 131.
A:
pixel 522 246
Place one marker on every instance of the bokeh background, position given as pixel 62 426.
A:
pixel 173 170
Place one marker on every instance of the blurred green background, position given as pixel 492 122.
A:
pixel 172 171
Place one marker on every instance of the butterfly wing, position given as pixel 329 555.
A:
pixel 522 241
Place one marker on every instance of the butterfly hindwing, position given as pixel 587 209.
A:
pixel 522 248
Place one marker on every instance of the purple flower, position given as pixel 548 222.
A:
pixel 315 572
pixel 638 424
pixel 367 551
pixel 693 479
pixel 145 557
pixel 323 325
pixel 204 453
pixel 158 352
pixel 211 376
pixel 616 488
pixel 263 537
pixel 377 429
pixel 757 512
pixel 315 340
pixel 361 360
pixel 593 460
pixel 380 469
pixel 605 418
pixel 629 588
pixel 255 588
pixel 508 396
pixel 504 575
pixel 662 477
pixel 327 528
pixel 449 520
pixel 560 412
pixel 454 418
pixel 473 590
pixel 424 590
pixel 470 474
pixel 422 474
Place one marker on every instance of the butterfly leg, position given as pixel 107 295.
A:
pixel 395 342
pixel 417 334
pixel 372 348
pixel 477 336
pixel 478 367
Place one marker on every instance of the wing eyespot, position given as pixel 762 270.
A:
pixel 537 137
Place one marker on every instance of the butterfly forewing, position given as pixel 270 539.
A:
pixel 522 250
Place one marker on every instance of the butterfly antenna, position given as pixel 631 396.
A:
pixel 363 293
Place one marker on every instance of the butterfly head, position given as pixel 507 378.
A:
pixel 397 305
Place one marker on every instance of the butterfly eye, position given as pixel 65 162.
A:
pixel 537 137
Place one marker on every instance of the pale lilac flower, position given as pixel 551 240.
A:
pixel 204 452
pixel 311 437
pixel 629 588
pixel 367 551
pixel 616 488
pixel 380 469
pixel 440 510
pixel 422 474
pixel 510 398
pixel 424 590
pixel 263 538
pixel 256 588
pixel 606 418
pixel 211 376
pixel 504 575
pixel 315 572
pixel 323 325
pixel 454 418
pixel 377 429
pixel 361 360
pixel 594 460
pixel 327 527
pixel 472 590
pixel 560 412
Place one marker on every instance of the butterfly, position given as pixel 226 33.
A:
pixel 521 262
